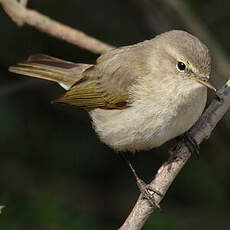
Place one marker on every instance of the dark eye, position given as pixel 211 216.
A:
pixel 181 66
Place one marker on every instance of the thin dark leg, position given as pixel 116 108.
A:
pixel 144 188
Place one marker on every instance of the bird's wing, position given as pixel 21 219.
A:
pixel 106 84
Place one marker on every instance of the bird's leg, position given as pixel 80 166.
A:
pixel 145 189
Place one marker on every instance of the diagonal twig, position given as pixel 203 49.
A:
pixel 21 15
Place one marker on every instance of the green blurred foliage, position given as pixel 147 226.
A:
pixel 54 171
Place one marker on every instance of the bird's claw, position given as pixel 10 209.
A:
pixel 192 144
pixel 148 193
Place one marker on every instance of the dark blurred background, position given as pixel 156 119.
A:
pixel 54 171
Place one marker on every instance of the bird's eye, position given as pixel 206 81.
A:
pixel 181 66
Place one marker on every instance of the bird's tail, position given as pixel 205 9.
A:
pixel 45 67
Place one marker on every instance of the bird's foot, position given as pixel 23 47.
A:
pixel 148 193
pixel 146 190
pixel 192 144
pixel 219 97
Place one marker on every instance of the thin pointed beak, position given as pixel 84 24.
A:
pixel 204 81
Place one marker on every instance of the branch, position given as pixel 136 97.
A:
pixel 20 15
pixel 179 156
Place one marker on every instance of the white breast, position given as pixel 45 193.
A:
pixel 156 116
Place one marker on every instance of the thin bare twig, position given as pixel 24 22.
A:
pixel 169 170
pixel 21 15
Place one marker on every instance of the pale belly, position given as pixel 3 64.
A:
pixel 142 127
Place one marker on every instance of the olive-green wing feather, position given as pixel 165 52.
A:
pixel 103 85
pixel 69 75
pixel 106 84
pixel 88 96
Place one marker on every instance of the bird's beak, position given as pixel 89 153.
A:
pixel 204 81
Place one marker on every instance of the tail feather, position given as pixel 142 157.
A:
pixel 45 67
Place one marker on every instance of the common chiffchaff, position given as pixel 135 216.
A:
pixel 138 96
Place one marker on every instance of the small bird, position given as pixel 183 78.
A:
pixel 138 96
